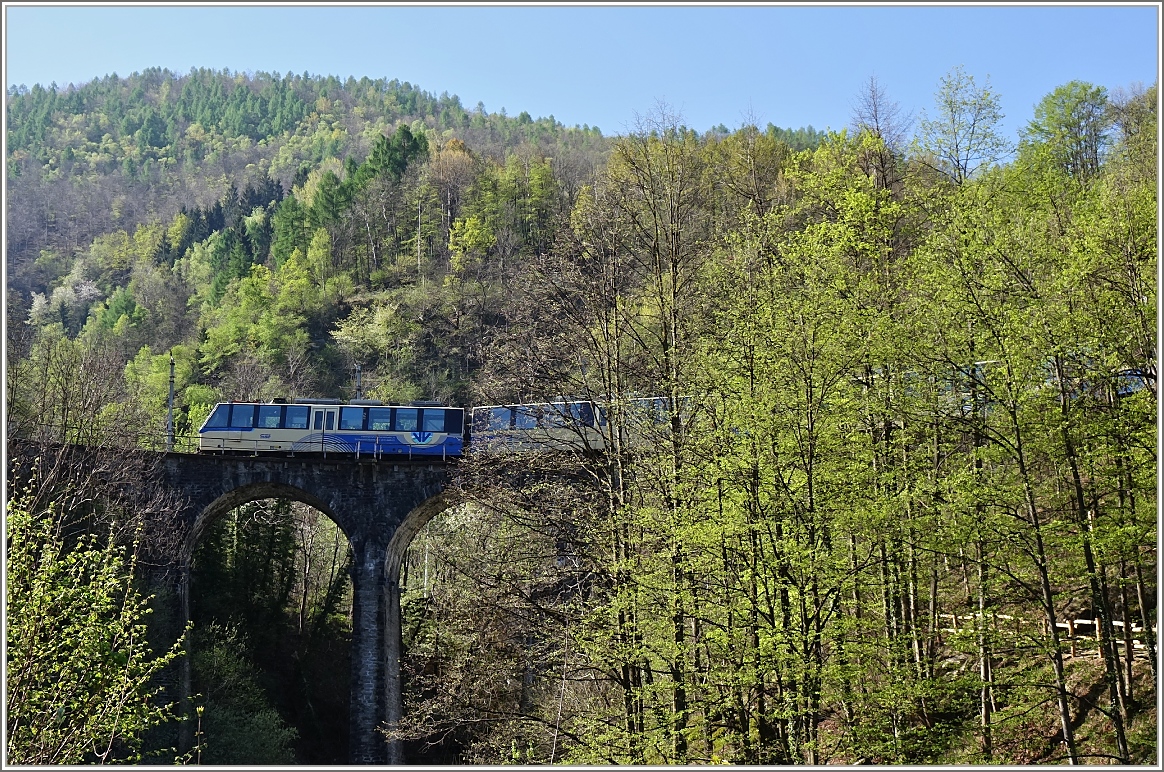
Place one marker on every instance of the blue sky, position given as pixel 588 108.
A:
pixel 601 64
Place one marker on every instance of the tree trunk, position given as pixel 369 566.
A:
pixel 1146 621
pixel 986 700
pixel 1085 518
pixel 1048 596
pixel 185 716
pixel 678 676
pixel 1129 651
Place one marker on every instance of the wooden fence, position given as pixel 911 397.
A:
pixel 1081 633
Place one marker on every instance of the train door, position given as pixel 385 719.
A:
pixel 323 421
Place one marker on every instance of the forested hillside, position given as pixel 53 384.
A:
pixel 908 430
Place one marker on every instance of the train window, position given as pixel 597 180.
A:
pixel 659 410
pixel 406 419
pixel 482 420
pixel 351 418
pixel 525 418
pixel 649 410
pixel 296 417
pixel 319 420
pixel 242 417
pixel 217 419
pixel 380 419
pixel 269 416
pixel 454 421
pixel 500 418
pixel 1128 382
pixel 555 416
pixel 433 420
pixel 583 413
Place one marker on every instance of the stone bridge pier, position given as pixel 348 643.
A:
pixel 380 506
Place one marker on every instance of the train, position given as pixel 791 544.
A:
pixel 365 428
pixel 359 428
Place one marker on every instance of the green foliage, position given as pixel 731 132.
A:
pixel 148 377
pixel 319 257
pixel 1072 122
pixel 249 559
pixel 370 334
pixel 804 138
pixel 120 311
pixel 772 574
pixel 270 598
pixel 905 376
pixel 962 139
pixel 80 671
pixel 290 228
pixel 469 240
pixel 207 124
pixel 237 723
pixel 392 156
pixel 263 312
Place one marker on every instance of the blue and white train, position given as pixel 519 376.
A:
pixel 423 430
pixel 360 428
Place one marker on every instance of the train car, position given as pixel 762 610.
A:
pixel 567 425
pixel 572 425
pixel 359 428
pixel 1131 381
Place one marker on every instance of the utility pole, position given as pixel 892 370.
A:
pixel 359 383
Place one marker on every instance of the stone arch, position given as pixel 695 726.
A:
pixel 245 494
pixel 408 529
pixel 416 519
pixel 231 499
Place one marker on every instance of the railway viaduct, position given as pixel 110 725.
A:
pixel 379 505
